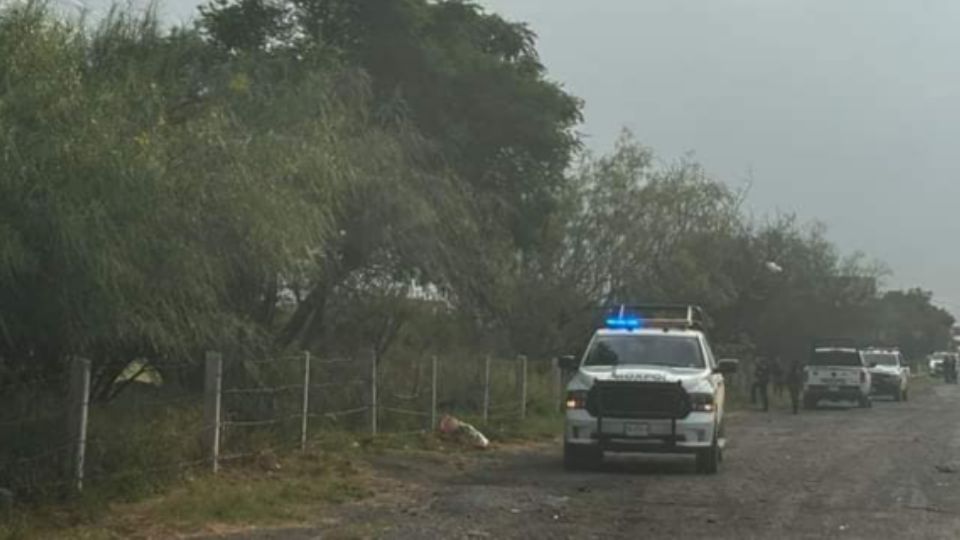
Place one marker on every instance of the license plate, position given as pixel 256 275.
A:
pixel 833 388
pixel 636 430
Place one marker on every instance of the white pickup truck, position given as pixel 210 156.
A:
pixel 836 374
pixel 889 374
pixel 649 383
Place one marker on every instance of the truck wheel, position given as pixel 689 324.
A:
pixel 809 402
pixel 866 402
pixel 897 395
pixel 906 394
pixel 579 458
pixel 708 459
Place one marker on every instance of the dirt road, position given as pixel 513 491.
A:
pixel 892 471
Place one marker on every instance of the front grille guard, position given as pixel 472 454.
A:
pixel 678 406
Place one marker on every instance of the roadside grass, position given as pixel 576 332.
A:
pixel 293 488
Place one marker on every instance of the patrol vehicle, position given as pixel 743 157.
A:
pixel 936 360
pixel 888 373
pixel 836 373
pixel 647 382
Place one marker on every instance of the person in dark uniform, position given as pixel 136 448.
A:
pixel 794 382
pixel 950 369
pixel 761 380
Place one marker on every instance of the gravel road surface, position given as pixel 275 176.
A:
pixel 892 471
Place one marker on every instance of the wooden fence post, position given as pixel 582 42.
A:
pixel 305 406
pixel 79 406
pixel 523 387
pixel 433 394
pixel 486 389
pixel 212 386
pixel 557 373
pixel 373 392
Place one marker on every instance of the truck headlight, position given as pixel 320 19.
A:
pixel 701 403
pixel 576 399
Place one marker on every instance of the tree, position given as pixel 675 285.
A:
pixel 157 194
pixel 494 139
pixel 909 319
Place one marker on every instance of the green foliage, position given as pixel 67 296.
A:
pixel 345 176
pixel 156 194
pixel 469 81
pixel 910 320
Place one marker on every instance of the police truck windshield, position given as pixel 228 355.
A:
pixel 836 358
pixel 652 350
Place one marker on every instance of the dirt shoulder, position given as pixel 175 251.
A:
pixel 846 473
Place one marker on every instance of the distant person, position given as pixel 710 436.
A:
pixel 950 369
pixel 761 380
pixel 794 382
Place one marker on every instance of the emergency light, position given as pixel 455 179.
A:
pixel 625 323
pixel 666 316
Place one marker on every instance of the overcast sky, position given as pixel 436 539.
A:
pixel 841 111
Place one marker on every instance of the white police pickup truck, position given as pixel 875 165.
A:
pixel 836 373
pixel 889 376
pixel 648 382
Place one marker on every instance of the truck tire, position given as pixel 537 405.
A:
pixel 708 459
pixel 809 402
pixel 866 402
pixel 906 394
pixel 579 458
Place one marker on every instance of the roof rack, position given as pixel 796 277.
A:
pixel 685 316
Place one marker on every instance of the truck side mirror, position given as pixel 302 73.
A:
pixel 727 366
pixel 568 362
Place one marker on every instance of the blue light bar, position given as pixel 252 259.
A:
pixel 624 323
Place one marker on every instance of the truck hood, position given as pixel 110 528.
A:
pixel 692 379
pixel 885 370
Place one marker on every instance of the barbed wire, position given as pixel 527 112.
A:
pixel 263 390
pixel 396 406
pixel 33 384
pixel 407 412
pixel 45 454
pixel 334 361
pixel 34 418
pixel 338 384
pixel 335 414
pixel 156 401
pixel 255 423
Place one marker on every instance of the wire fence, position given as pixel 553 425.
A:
pixel 168 419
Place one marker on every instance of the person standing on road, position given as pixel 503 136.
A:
pixel 950 369
pixel 794 381
pixel 761 379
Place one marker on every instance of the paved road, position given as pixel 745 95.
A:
pixel 840 473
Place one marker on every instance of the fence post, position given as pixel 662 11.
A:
pixel 433 394
pixel 486 389
pixel 305 406
pixel 373 392
pixel 523 387
pixel 557 384
pixel 79 403
pixel 212 386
